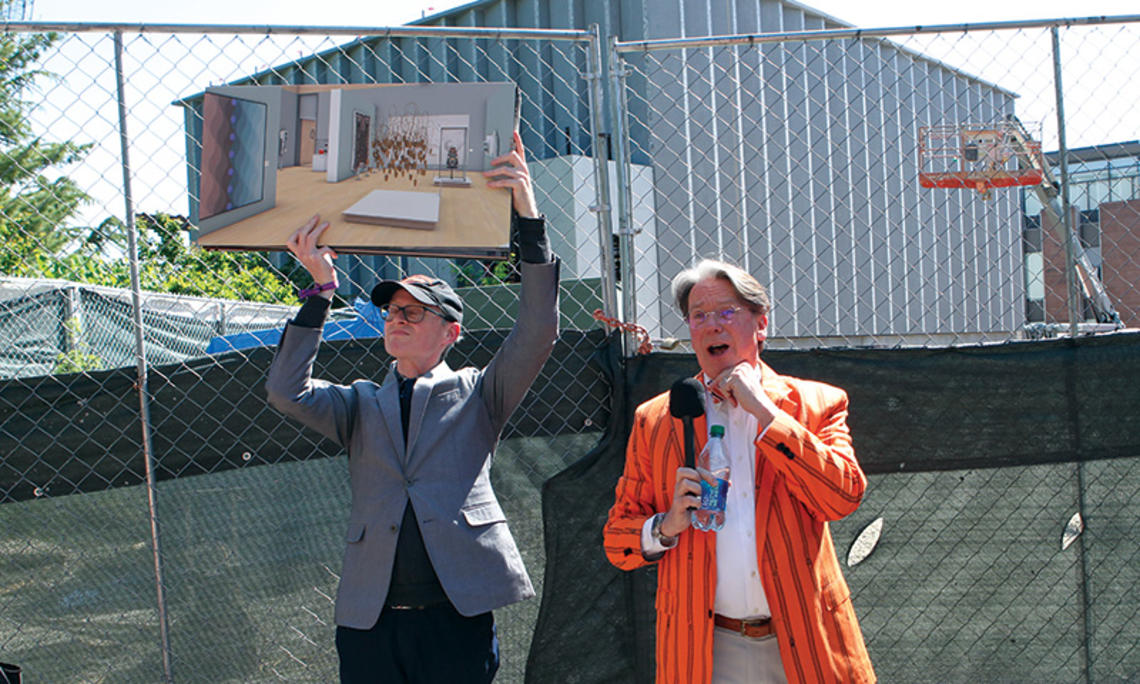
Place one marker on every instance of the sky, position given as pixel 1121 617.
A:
pixel 188 62
pixel 865 13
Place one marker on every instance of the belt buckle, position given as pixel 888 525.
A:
pixel 747 625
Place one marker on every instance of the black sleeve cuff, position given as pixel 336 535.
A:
pixel 314 312
pixel 533 245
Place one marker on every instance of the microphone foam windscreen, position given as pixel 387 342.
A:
pixel 685 399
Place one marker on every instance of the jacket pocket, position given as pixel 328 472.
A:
pixel 484 514
pixel 355 532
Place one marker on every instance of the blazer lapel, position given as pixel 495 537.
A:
pixel 700 433
pixel 426 385
pixel 707 547
pixel 704 545
pixel 389 397
pixel 777 390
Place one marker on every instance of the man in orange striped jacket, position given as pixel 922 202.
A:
pixel 763 599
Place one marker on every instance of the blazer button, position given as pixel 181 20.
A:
pixel 394 528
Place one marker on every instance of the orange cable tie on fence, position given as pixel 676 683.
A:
pixel 644 346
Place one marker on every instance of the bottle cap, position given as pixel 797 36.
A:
pixel 717 431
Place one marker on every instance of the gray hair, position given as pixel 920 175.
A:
pixel 751 292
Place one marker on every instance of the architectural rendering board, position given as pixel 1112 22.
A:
pixel 375 161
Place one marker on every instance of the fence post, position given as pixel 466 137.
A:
pixel 1074 304
pixel 618 110
pixel 72 322
pixel 140 355
pixel 1066 209
pixel 601 206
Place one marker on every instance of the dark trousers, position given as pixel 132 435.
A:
pixel 433 645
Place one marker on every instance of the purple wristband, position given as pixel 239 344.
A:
pixel 316 289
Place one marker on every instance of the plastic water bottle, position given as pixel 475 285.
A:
pixel 710 516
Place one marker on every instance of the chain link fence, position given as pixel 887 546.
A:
pixel 804 157
pixel 804 153
pixel 796 156
pixel 97 504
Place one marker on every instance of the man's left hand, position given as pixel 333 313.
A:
pixel 741 386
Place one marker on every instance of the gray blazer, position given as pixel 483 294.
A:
pixel 444 469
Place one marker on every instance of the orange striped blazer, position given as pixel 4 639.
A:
pixel 806 475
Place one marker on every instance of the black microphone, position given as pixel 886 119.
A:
pixel 685 403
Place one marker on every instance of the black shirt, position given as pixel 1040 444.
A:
pixel 414 582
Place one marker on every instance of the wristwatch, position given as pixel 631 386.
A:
pixel 655 532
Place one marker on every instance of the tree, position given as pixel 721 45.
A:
pixel 33 207
pixel 36 240
pixel 169 263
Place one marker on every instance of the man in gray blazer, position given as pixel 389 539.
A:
pixel 428 555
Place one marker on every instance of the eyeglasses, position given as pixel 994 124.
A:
pixel 724 316
pixel 412 313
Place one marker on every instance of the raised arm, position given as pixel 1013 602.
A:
pixel 290 387
pixel 520 358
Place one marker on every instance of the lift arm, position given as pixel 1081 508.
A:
pixel 1048 191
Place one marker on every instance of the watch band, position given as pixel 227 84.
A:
pixel 658 536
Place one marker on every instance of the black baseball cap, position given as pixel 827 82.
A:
pixel 425 290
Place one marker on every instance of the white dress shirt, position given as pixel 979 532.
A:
pixel 739 593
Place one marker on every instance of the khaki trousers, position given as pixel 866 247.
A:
pixel 740 660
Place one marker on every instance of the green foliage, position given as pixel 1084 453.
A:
pixel 79 356
pixel 33 206
pixel 35 209
pixel 468 273
pixel 169 263
pixel 18 53
pixel 473 273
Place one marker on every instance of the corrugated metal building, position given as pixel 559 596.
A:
pixel 797 160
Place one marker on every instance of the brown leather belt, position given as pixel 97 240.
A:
pixel 753 629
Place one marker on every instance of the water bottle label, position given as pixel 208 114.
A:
pixel 714 498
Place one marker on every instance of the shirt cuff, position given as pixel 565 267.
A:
pixel 763 432
pixel 650 546
pixel 314 312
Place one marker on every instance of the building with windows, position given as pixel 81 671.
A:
pixel 1104 193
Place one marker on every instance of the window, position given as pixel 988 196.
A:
pixel 1090 228
pixel 1034 277
pixel 1031 237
